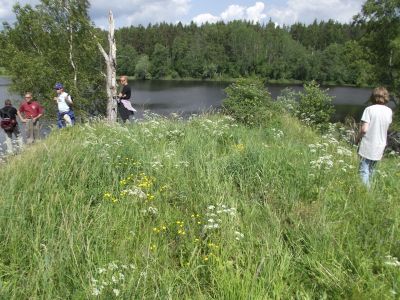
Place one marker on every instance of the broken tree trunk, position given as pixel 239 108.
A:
pixel 111 63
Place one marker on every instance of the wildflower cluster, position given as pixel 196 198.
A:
pixel 175 134
pixel 329 150
pixel 150 211
pixel 239 147
pixel 277 133
pixel 219 127
pixel 128 162
pixel 214 214
pixel 110 280
pixel 210 251
pixel 323 162
pixel 392 261
pixel 135 187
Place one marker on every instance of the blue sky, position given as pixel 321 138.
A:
pixel 134 12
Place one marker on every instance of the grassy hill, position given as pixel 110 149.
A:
pixel 198 209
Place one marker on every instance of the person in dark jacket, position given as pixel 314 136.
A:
pixel 125 109
pixel 10 126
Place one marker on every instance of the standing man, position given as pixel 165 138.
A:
pixel 65 115
pixel 10 125
pixel 125 109
pixel 375 122
pixel 30 112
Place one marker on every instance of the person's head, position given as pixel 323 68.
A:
pixel 7 102
pixel 123 79
pixel 28 97
pixel 379 95
pixel 59 88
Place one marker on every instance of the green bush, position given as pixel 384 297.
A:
pixel 315 106
pixel 248 101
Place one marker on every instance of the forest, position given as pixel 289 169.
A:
pixel 325 51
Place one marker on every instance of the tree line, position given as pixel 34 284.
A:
pixel 324 51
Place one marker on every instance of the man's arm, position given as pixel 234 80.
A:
pixel 23 120
pixel 39 115
pixel 363 130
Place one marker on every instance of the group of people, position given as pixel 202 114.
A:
pixel 372 137
pixel 30 112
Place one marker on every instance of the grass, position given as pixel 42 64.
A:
pixel 198 209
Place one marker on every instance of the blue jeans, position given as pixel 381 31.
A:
pixel 367 168
pixel 60 118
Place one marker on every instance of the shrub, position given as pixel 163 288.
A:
pixel 248 101
pixel 315 106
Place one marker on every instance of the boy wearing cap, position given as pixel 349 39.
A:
pixel 30 112
pixel 65 115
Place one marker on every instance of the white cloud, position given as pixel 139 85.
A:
pixel 255 13
pixel 6 7
pixel 235 12
pixel 134 12
pixel 205 18
pixel 306 11
pixel 289 12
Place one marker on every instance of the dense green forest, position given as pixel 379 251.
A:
pixel 323 51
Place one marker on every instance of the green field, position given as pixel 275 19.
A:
pixel 197 209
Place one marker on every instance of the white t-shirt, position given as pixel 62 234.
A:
pixel 61 102
pixel 373 142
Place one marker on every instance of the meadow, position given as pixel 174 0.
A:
pixel 203 208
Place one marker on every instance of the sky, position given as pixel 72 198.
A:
pixel 135 12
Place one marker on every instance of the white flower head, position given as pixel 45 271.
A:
pixel 96 291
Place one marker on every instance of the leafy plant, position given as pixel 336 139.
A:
pixel 248 101
pixel 315 106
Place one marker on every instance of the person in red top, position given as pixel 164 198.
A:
pixel 30 112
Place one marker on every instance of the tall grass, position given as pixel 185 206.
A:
pixel 198 209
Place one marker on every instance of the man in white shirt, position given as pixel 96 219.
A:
pixel 375 122
pixel 65 115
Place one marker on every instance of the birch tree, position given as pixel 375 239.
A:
pixel 111 63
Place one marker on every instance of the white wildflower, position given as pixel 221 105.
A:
pixel 112 266
pixel 96 291
pixel 153 210
pixel 238 235
pixel 392 261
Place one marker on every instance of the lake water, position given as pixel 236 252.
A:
pixel 193 97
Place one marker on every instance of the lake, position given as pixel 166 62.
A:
pixel 194 97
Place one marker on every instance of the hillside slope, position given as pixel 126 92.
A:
pixel 198 209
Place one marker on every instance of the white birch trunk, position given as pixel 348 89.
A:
pixel 111 62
